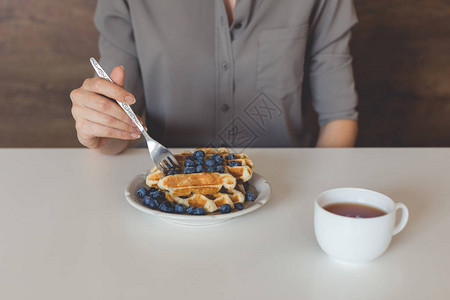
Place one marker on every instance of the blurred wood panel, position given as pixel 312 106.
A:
pixel 44 53
pixel 402 68
pixel 401 59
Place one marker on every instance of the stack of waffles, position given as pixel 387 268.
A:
pixel 209 190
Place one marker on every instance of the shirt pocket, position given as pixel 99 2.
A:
pixel 281 56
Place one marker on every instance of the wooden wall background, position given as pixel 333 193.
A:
pixel 401 52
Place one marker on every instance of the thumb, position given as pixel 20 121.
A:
pixel 118 75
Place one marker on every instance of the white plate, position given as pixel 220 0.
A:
pixel 257 183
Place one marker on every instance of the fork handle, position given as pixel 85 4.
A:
pixel 102 74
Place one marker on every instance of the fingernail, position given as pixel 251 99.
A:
pixel 130 100
pixel 122 67
pixel 135 135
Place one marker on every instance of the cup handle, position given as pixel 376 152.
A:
pixel 404 219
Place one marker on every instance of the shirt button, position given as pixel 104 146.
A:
pixel 224 65
pixel 224 107
pixel 238 26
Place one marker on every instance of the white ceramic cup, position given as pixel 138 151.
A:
pixel 356 240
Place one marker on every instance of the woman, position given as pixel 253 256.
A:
pixel 220 72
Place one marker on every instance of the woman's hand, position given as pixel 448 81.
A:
pixel 99 121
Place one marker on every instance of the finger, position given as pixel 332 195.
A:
pixel 109 89
pixel 118 75
pixel 91 142
pixel 142 122
pixel 103 119
pixel 87 128
pixel 101 104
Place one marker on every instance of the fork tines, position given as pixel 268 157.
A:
pixel 168 164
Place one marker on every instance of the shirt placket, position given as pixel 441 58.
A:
pixel 224 74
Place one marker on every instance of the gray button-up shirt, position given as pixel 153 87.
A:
pixel 206 82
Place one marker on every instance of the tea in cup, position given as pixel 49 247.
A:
pixel 356 225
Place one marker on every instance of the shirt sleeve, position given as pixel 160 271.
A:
pixel 330 64
pixel 117 45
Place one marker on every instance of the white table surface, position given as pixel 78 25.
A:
pixel 66 231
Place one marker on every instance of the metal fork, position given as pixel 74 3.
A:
pixel 160 155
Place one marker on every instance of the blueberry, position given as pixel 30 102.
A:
pixel 173 172
pixel 210 162
pixel 210 169
pixel 190 157
pixel 234 163
pixel 246 185
pixel 249 196
pixel 151 190
pixel 180 209
pixel 141 192
pixel 146 200
pixel 199 168
pixel 155 194
pixel 189 163
pixel 158 195
pixel 167 207
pixel 199 162
pixel 226 208
pixel 230 156
pixel 219 160
pixel 199 154
pixel 154 204
pixel 190 210
pixel 220 169
pixel 200 211
pixel 239 206
pixel 189 170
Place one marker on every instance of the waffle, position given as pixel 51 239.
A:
pixel 200 183
pixel 243 172
pixel 209 190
